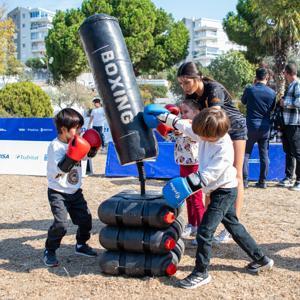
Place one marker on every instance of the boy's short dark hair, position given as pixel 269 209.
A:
pixel 291 68
pixel 96 100
pixel 211 122
pixel 261 73
pixel 69 118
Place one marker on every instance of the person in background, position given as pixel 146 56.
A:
pixel 210 93
pixel 97 119
pixel 186 156
pixel 291 129
pixel 260 101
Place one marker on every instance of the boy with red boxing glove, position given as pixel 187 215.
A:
pixel 64 183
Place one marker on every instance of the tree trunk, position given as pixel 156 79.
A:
pixel 280 62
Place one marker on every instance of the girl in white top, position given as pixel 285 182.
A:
pixel 186 155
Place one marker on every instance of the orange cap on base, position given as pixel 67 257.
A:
pixel 169 217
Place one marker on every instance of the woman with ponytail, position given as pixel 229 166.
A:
pixel 207 92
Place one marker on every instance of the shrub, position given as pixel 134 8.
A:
pixel 25 99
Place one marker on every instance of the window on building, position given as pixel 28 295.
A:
pixel 212 50
pixel 24 16
pixel 23 45
pixel 34 35
pixel 34 14
pixel 23 25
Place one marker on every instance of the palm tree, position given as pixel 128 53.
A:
pixel 278 26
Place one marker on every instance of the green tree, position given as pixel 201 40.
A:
pixel 267 28
pixel 233 70
pixel 9 65
pixel 62 43
pixel 240 28
pixel 150 92
pixel 25 99
pixel 278 26
pixel 154 40
pixel 36 63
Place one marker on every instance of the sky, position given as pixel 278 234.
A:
pixel 212 9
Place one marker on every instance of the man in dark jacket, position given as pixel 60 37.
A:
pixel 260 101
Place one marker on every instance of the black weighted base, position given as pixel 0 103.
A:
pixel 129 208
pixel 138 264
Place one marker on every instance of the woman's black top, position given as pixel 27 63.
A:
pixel 215 94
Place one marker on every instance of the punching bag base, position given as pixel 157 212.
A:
pixel 130 208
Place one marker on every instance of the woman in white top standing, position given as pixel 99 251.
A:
pixel 97 119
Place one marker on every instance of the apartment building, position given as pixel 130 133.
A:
pixel 32 25
pixel 207 40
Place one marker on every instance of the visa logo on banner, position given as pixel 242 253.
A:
pixel 4 156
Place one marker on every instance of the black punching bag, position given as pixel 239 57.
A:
pixel 113 73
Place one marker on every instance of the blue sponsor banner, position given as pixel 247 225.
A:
pixel 165 167
pixel 27 129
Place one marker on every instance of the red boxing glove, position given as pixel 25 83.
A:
pixel 93 138
pixel 173 109
pixel 77 150
pixel 162 128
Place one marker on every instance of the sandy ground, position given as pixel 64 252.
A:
pixel 271 215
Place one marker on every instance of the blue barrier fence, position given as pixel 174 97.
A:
pixel 165 166
pixel 43 129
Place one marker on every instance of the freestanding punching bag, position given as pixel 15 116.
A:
pixel 115 81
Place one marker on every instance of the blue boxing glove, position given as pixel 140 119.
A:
pixel 151 112
pixel 180 188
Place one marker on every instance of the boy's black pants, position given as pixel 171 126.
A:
pixel 222 209
pixel 61 204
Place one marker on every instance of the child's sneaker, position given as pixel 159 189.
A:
pixel 194 280
pixel 265 263
pixel 222 238
pixel 85 250
pixel 50 259
pixel 189 230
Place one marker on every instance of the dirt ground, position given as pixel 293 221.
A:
pixel 271 215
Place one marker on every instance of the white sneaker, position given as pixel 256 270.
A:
pixel 222 238
pixel 189 230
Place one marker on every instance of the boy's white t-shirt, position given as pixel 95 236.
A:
pixel 98 116
pixel 215 160
pixel 59 181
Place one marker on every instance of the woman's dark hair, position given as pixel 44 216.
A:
pixel 190 70
pixel 69 118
